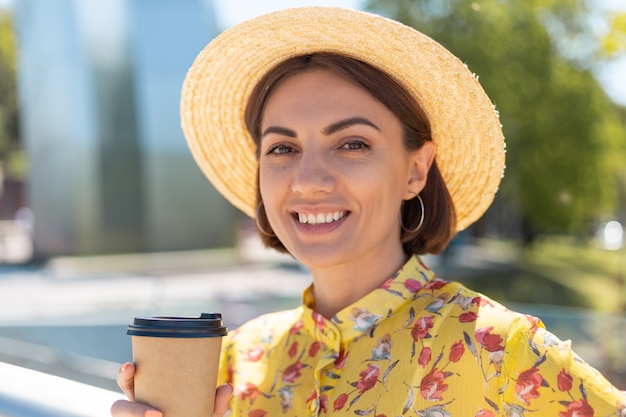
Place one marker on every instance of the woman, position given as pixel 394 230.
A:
pixel 372 145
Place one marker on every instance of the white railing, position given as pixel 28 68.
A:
pixel 28 393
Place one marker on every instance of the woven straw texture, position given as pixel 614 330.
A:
pixel 465 125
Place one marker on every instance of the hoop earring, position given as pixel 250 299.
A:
pixel 258 225
pixel 421 218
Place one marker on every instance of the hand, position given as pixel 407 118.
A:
pixel 123 408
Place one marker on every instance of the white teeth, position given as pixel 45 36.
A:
pixel 321 218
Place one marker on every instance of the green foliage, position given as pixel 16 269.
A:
pixel 564 137
pixel 11 157
pixel 556 270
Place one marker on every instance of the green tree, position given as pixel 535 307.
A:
pixel 564 137
pixel 11 155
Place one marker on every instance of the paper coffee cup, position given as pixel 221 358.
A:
pixel 176 362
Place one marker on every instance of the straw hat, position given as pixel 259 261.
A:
pixel 465 125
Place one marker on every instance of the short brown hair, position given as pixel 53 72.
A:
pixel 439 224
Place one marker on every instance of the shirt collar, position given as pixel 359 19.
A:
pixel 364 314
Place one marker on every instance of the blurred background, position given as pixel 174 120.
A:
pixel 104 215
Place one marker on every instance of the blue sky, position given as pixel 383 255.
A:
pixel 232 12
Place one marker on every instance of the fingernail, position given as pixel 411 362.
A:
pixel 124 367
pixel 153 413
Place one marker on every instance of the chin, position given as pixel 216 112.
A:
pixel 321 257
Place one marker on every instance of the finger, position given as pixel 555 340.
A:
pixel 222 396
pixel 123 408
pixel 126 380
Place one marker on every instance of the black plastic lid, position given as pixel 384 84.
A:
pixel 207 325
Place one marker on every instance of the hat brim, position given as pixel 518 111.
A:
pixel 465 125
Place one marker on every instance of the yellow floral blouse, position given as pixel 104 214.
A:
pixel 416 346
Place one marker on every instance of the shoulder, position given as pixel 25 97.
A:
pixel 536 370
pixel 470 306
pixel 485 325
pixel 265 328
pixel 251 342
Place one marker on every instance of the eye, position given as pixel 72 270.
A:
pixel 355 145
pixel 280 149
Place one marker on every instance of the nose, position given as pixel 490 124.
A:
pixel 313 174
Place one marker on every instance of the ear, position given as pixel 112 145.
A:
pixel 420 162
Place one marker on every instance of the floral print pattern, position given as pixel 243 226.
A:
pixel 416 346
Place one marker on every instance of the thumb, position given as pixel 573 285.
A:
pixel 222 397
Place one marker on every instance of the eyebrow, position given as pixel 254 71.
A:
pixel 329 130
pixel 346 123
pixel 279 130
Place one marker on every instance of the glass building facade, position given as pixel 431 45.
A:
pixel 99 86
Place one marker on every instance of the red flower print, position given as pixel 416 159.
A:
pixel 246 390
pixel 528 383
pixel 253 354
pixel 456 351
pixel 387 284
pixel 368 379
pixel 323 400
pixel 257 413
pixel 425 356
pixel 319 320
pixel 468 317
pixel 293 350
pixel 423 265
pixel 295 329
pixel 340 362
pixel 491 342
pixel 484 413
pixel 534 321
pixel 564 380
pixel 323 404
pixel 312 396
pixel 340 402
pixel 292 372
pixel 483 302
pixel 412 285
pixel 315 347
pixel 435 284
pixel 421 327
pixel 578 409
pixel 432 385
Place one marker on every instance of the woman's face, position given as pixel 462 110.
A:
pixel 333 170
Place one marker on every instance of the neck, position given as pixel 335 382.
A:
pixel 337 287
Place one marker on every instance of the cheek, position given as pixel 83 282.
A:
pixel 271 185
pixel 385 189
pixel 388 180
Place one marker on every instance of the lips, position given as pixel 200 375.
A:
pixel 321 218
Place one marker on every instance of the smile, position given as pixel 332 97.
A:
pixel 321 218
